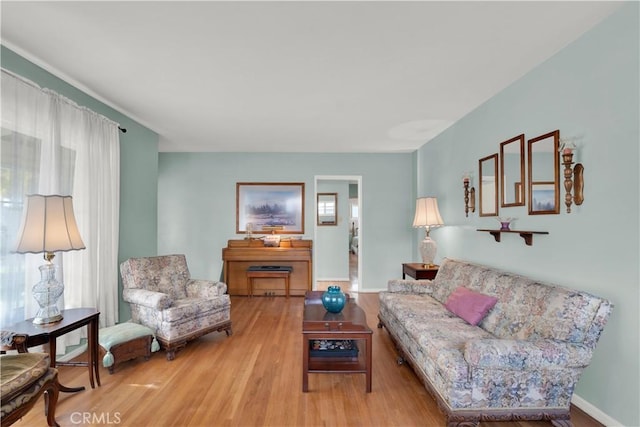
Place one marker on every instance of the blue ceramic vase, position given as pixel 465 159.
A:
pixel 334 299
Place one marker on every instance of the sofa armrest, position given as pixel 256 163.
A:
pixel 410 286
pixel 525 355
pixel 206 289
pixel 143 297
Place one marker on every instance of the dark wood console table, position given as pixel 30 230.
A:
pixel 239 255
pixel 73 318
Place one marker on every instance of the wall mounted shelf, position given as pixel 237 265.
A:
pixel 526 235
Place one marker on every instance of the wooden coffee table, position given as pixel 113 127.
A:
pixel 349 324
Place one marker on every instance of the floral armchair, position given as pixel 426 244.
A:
pixel 25 377
pixel 165 298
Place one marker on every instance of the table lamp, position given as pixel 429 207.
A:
pixel 427 216
pixel 48 225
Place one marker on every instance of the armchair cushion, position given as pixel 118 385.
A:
pixel 24 377
pixel 191 308
pixel 19 371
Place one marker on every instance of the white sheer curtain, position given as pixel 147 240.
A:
pixel 50 145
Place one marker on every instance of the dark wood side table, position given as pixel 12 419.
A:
pixel 73 318
pixel 419 271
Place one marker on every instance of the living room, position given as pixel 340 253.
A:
pixel 184 202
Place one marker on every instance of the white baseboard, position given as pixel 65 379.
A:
pixel 594 412
pixel 373 291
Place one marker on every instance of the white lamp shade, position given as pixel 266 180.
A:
pixel 48 225
pixel 427 213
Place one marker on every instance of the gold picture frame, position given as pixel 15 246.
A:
pixel 270 207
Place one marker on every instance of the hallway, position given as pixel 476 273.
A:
pixel 347 286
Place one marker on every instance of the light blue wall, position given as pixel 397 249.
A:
pixel 197 199
pixel 138 166
pixel 590 89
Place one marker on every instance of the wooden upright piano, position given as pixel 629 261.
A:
pixel 239 255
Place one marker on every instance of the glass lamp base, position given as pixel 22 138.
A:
pixel 40 319
pixel 47 292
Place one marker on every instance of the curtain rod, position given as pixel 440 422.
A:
pixel 60 96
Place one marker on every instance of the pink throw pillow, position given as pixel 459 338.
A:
pixel 471 306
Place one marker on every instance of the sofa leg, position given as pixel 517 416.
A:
pixel 171 354
pixel 400 360
pixel 229 331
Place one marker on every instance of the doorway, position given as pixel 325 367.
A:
pixel 338 248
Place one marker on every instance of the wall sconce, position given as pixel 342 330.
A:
pixel 469 195
pixel 573 178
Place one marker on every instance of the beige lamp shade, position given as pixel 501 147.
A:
pixel 427 213
pixel 48 225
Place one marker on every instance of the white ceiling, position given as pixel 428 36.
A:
pixel 296 76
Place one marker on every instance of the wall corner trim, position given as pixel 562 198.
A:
pixel 594 412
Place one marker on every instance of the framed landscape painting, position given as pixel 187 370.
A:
pixel 543 198
pixel 270 207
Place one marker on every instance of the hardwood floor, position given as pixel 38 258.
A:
pixel 253 378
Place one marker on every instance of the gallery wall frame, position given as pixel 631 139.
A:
pixel 512 172
pixel 544 174
pixel 488 167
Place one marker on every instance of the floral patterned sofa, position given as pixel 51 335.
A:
pixel 521 361
pixel 165 298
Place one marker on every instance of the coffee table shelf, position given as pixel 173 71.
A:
pixel 337 364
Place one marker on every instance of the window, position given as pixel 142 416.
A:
pixel 326 208
pixel 20 174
